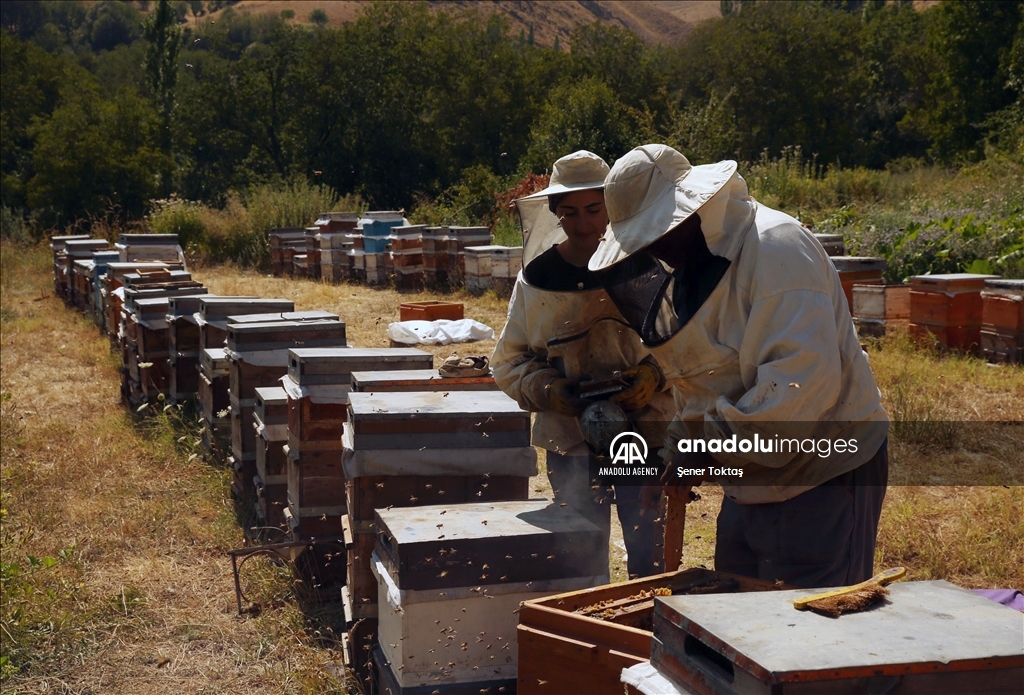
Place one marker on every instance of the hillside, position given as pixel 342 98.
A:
pixel 666 22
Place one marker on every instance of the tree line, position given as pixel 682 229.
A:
pixel 106 107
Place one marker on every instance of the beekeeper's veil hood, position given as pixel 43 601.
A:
pixel 578 171
pixel 648 193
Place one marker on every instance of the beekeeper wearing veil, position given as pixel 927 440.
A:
pixel 563 328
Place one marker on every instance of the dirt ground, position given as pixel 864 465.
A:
pixel 114 533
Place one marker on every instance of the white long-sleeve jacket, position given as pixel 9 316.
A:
pixel 771 351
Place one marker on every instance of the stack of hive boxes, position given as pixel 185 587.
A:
pixel 270 421
pixel 457 239
pixel 492 267
pixel 112 290
pixel 57 245
pixel 506 262
pixel 407 255
pixel 478 267
pixel 417 441
pixel 284 241
pixel 144 334
pixel 318 384
pixel 858 270
pixel 214 375
pixel 946 310
pixel 312 259
pixel 100 261
pixel 453 577
pixel 150 247
pixel 183 346
pixel 257 351
pixel 335 243
pixel 372 240
pixel 74 250
pixel 85 275
pixel 1002 321
pixel 435 255
pixel 877 306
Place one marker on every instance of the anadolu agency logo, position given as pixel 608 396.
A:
pixel 629 449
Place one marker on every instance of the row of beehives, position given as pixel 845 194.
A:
pixel 976 314
pixel 374 460
pixel 380 247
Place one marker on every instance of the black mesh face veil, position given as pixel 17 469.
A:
pixel 641 288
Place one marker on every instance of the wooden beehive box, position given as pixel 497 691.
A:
pixel 431 311
pixel 884 302
pixel 928 637
pixel 475 562
pixel 446 420
pixel 150 247
pixel 1002 321
pixel 947 309
pixel 334 366
pixel 271 423
pixel 334 222
pixel 565 648
pixel 418 380
pixel 214 315
pixel 478 267
pixel 858 270
pixel 832 243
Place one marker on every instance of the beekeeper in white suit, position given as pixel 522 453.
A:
pixel 746 316
pixel 561 328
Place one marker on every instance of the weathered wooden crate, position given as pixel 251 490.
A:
pixel 183 380
pixel 476 562
pixel 431 311
pixel 564 648
pixel 858 270
pixel 216 312
pixel 832 243
pixel 285 334
pixel 885 302
pixel 212 394
pixel 928 637
pixel 271 423
pixel 1002 321
pixel 418 380
pixel 440 420
pixel 310 367
pixel 335 222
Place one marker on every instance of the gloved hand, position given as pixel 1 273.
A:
pixel 563 399
pixel 646 379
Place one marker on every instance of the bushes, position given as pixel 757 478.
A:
pixel 239 230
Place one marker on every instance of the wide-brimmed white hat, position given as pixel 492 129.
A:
pixel 579 171
pixel 650 191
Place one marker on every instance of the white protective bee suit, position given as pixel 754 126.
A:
pixel 551 334
pixel 770 350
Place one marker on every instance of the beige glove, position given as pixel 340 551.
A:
pixel 562 397
pixel 646 379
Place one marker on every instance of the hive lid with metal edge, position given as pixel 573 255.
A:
pixel 214 361
pixel 185 307
pixel 851 263
pixel 437 420
pixel 445 546
pixel 322 366
pixel 84 248
pixel 57 243
pixel 216 310
pixel 928 637
pixel 313 315
pixel 418 380
pixel 283 335
pixel 156 276
pixel 134 295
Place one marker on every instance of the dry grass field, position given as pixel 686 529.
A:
pixel 114 533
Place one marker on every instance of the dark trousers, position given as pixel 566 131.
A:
pixel 821 538
pixel 572 484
